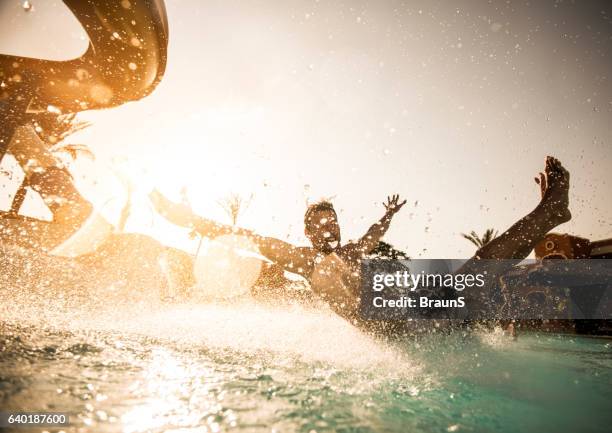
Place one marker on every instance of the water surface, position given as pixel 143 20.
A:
pixel 249 367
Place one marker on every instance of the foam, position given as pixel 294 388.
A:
pixel 296 332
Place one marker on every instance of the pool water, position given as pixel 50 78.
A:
pixel 139 367
pixel 118 359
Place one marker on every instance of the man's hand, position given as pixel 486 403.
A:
pixel 370 240
pixel 393 205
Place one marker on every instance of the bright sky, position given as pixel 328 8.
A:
pixel 453 105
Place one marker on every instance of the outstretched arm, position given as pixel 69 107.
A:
pixel 290 257
pixel 177 213
pixel 370 240
pixel 280 252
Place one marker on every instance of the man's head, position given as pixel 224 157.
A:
pixel 321 226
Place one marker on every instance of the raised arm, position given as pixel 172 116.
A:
pixel 370 240
pixel 284 254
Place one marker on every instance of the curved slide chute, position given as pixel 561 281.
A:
pixel 125 60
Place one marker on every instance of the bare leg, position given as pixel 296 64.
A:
pixel 518 241
pixel 502 253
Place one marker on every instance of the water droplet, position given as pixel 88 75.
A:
pixel 27 6
pixel 82 74
pixel 132 66
pixel 495 27
pixel 101 93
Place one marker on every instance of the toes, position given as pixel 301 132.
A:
pixel 549 164
pixel 562 171
pixel 556 169
pixel 554 163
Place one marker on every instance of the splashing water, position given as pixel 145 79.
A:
pixel 118 359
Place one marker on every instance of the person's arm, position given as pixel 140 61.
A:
pixel 280 252
pixel 370 240
pixel 177 213
pixel 291 258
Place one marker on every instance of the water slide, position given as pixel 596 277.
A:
pixel 125 60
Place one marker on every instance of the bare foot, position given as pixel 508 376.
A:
pixel 554 186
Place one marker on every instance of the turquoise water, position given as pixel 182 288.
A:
pixel 120 360
pixel 249 367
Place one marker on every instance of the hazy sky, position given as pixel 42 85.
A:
pixel 453 105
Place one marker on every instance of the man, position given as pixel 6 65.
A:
pixel 318 264
pixel 333 269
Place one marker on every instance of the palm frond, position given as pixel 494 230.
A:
pixel 385 250
pixel 480 241
pixel 73 150
pixel 488 236
pixel 472 237
pixel 234 204
pixel 53 128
